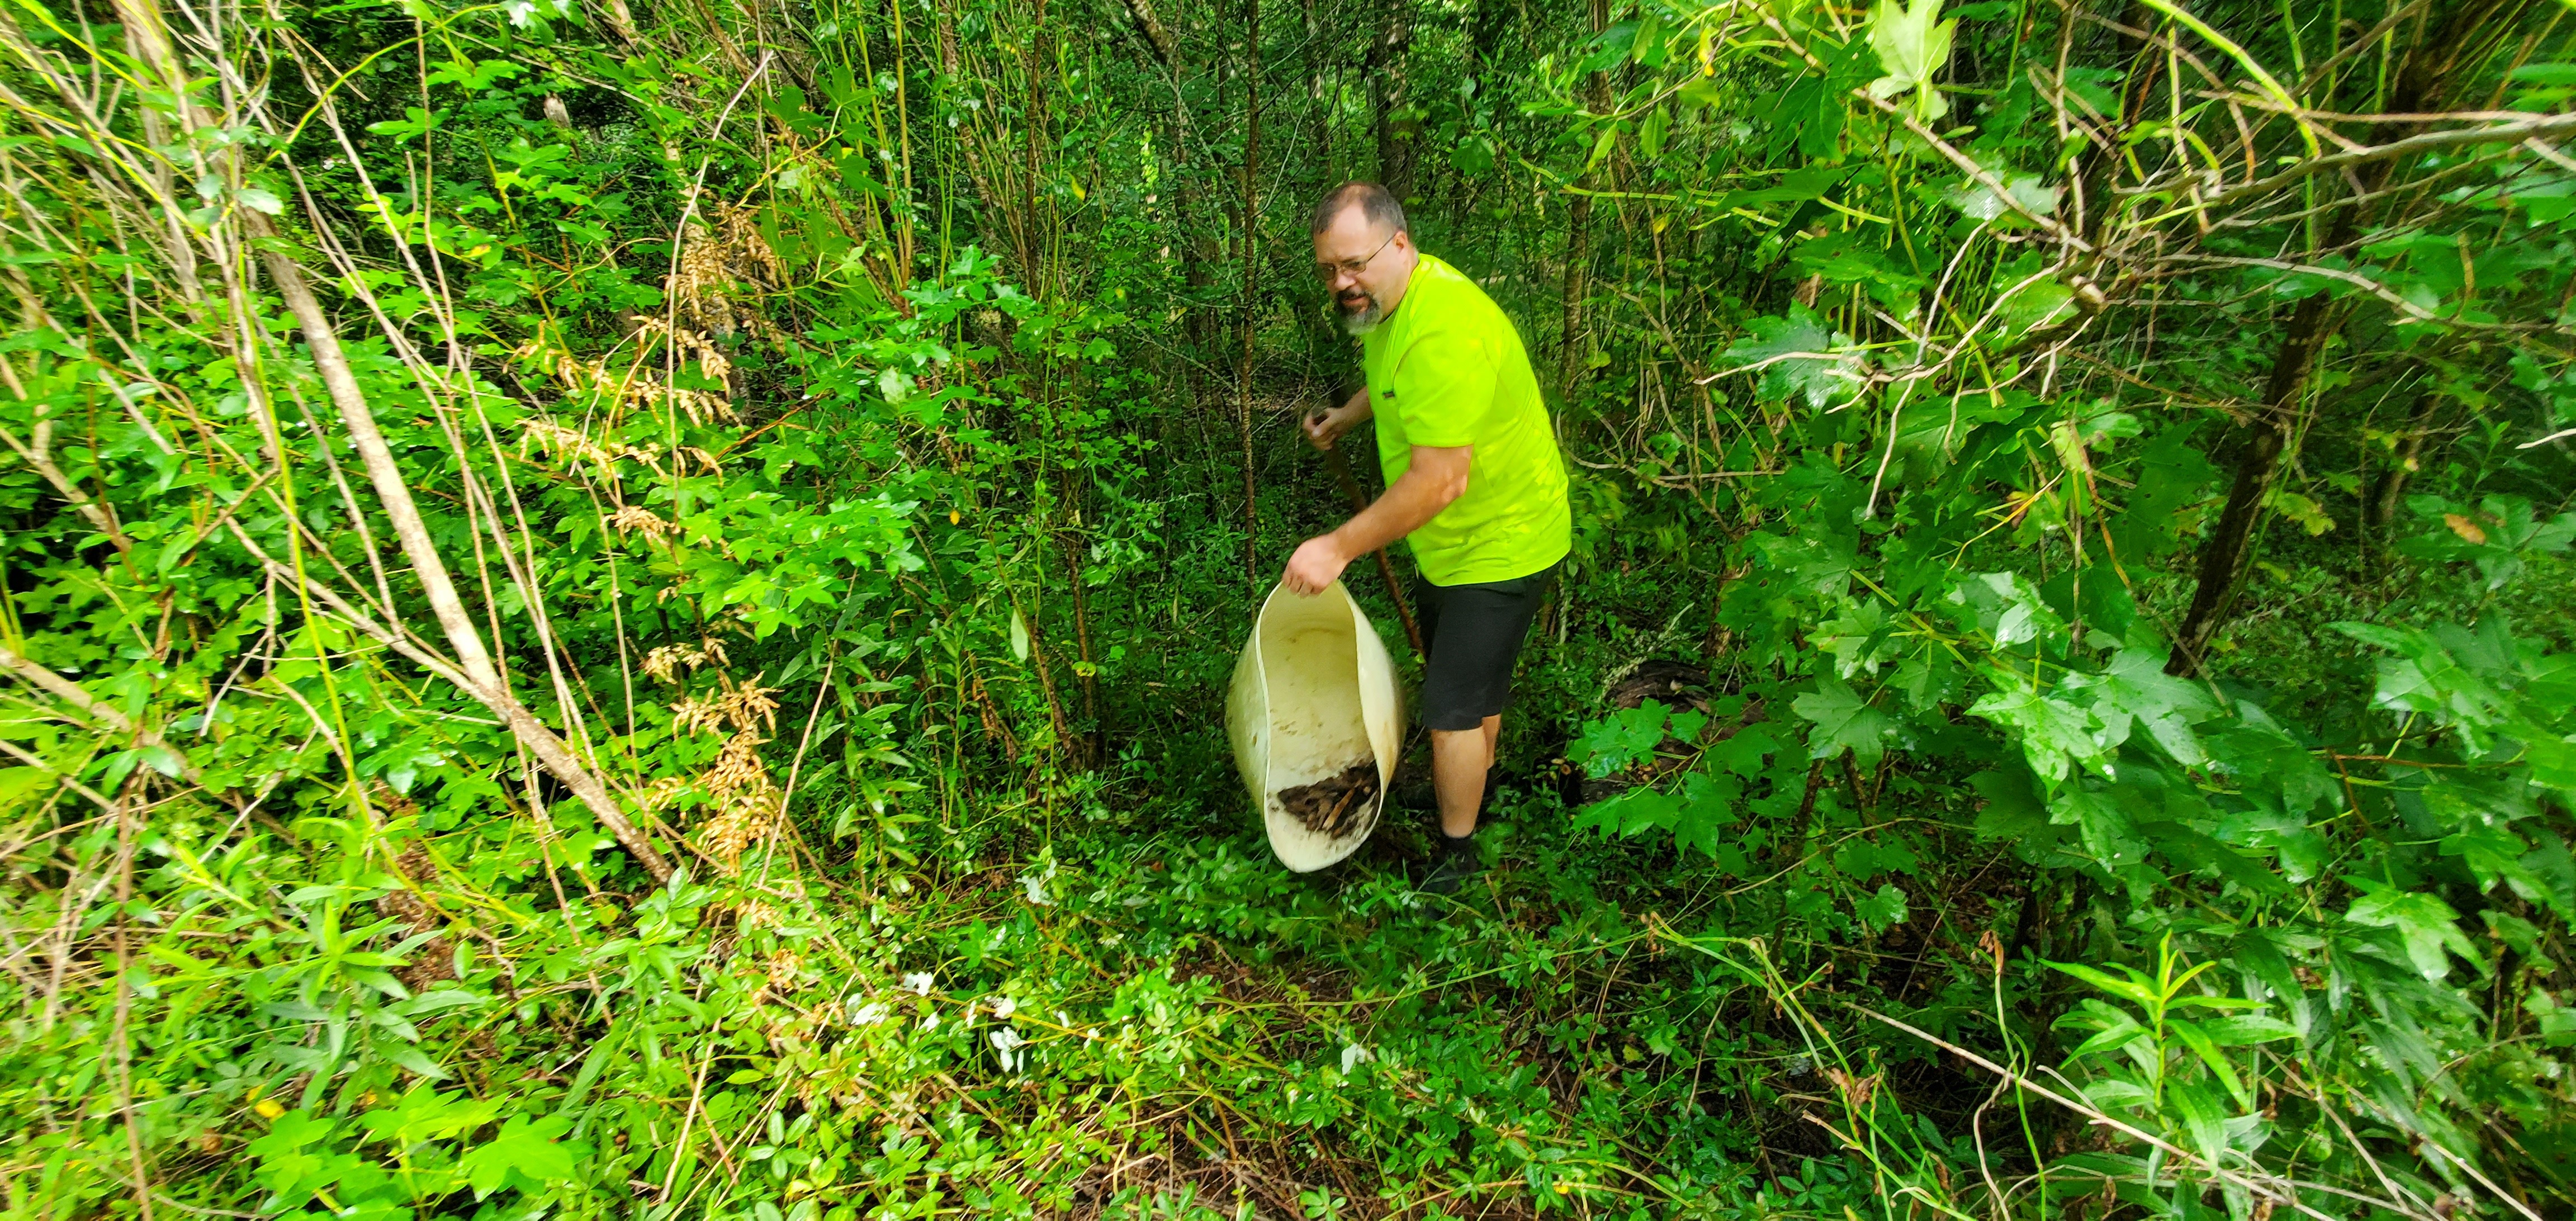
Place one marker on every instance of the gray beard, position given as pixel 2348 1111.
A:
pixel 1360 321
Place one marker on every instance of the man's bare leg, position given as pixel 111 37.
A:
pixel 1459 760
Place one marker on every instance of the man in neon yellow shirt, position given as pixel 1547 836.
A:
pixel 1474 482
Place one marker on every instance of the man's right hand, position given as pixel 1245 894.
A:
pixel 1326 426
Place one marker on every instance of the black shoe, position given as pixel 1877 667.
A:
pixel 1458 862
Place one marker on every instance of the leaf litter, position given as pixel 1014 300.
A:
pixel 1335 804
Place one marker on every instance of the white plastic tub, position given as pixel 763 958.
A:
pixel 1314 693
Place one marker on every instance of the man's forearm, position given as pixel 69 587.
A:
pixel 1417 497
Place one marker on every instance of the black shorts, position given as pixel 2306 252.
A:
pixel 1474 633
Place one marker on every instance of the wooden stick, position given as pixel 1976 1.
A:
pixel 1385 567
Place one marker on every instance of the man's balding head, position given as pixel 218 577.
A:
pixel 1376 204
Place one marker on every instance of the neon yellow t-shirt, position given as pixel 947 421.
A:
pixel 1447 368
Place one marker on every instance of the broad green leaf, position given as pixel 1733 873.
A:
pixel 2006 606
pixel 1634 812
pixel 1797 357
pixel 1621 739
pixel 1707 817
pixel 1913 44
pixel 525 1147
pixel 1650 134
pixel 2030 194
pixel 2266 759
pixel 2426 923
pixel 2111 1039
pixel 1883 909
pixel 2204 1118
pixel 1854 639
pixel 2247 1029
pixel 2200 1044
pixel 2198 1001
pixel 2135 988
pixel 1844 721
pixel 2109 833
pixel 2014 812
pixel 2054 734
pixel 2115 1093
pixel 1741 753
pixel 2136 690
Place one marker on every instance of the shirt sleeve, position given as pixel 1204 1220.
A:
pixel 1444 389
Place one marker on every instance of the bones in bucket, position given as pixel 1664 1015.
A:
pixel 1317 722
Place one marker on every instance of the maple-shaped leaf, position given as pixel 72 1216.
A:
pixel 2109 832
pixel 1621 738
pixel 2136 691
pixel 1885 909
pixel 1707 818
pixel 1798 357
pixel 1913 44
pixel 528 1150
pixel 1844 720
pixel 2053 733
pixel 2427 925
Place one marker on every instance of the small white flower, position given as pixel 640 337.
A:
pixel 1035 885
pixel 919 982
pixel 930 1020
pixel 1007 1042
pixel 869 1014
pixel 1354 1056
pixel 1004 1007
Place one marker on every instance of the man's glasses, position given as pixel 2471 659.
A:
pixel 1328 272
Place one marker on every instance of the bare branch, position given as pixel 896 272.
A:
pixel 90 706
pixel 2512 133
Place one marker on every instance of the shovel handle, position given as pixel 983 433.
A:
pixel 1385 568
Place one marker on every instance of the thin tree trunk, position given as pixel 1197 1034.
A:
pixel 1578 252
pixel 1578 238
pixel 2095 165
pixel 2222 555
pixel 621 20
pixel 1251 238
pixel 2392 487
pixel 1046 681
pixel 1039 65
pixel 1387 85
pixel 2455 41
pixel 1157 36
pixel 1097 747
pixel 988 196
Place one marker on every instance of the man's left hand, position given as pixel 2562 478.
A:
pixel 1319 562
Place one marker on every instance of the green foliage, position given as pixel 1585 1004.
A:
pixel 844 428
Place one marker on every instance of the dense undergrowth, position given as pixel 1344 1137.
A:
pixel 622 609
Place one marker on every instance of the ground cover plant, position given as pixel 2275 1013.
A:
pixel 622 609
